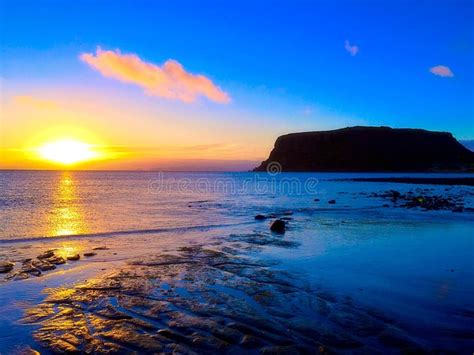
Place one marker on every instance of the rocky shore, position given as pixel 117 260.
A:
pixel 209 299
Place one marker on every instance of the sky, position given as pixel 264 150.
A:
pixel 210 85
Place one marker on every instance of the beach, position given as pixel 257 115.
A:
pixel 178 263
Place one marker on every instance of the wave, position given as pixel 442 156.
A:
pixel 123 232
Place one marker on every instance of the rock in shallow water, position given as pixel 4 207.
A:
pixel 6 266
pixel 56 260
pixel 278 226
pixel 46 254
pixel 73 257
pixel 43 265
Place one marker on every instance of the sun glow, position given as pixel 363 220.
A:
pixel 67 152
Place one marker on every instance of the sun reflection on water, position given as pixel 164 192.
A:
pixel 66 218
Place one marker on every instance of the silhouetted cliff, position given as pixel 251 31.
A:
pixel 369 149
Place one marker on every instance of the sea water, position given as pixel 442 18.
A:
pixel 415 266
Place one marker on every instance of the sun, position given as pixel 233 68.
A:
pixel 67 152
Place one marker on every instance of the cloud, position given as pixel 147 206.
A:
pixel 169 80
pixel 441 70
pixel 353 50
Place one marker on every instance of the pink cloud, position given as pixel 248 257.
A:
pixel 169 80
pixel 443 71
pixel 353 50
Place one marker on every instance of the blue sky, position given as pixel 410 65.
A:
pixel 283 64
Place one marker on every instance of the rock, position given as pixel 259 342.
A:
pixel 332 202
pixel 260 217
pixel 317 200
pixel 56 260
pixel 131 338
pixel 21 276
pixel 46 254
pixel 61 346
pixel 100 248
pixel 43 265
pixel 278 226
pixel 88 255
pixel 6 266
pixel 30 269
pixel 73 257
pixel 111 313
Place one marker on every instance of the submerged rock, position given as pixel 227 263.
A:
pixel 278 226
pixel 332 202
pixel 260 217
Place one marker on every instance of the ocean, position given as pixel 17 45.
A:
pixel 414 266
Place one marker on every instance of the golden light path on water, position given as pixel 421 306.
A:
pixel 66 217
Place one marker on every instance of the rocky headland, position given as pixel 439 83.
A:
pixel 369 149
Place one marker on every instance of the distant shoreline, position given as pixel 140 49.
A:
pixel 410 180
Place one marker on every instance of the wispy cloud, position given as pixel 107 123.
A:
pixel 443 71
pixel 170 80
pixel 352 49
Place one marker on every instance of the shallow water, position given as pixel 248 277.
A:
pixel 414 266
